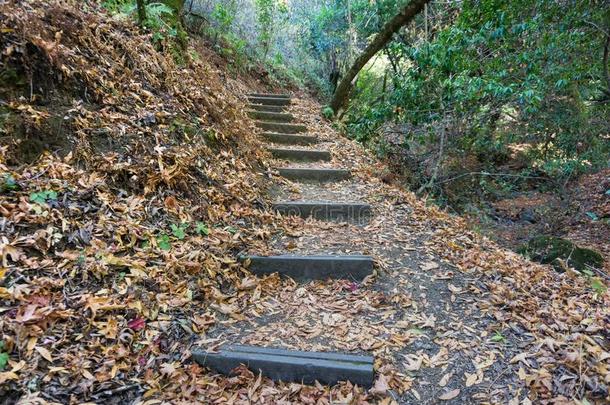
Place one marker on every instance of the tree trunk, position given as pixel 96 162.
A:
pixel 383 37
pixel 141 11
pixel 605 59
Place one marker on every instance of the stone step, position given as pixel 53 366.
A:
pixel 321 175
pixel 268 95
pixel 271 116
pixel 291 365
pixel 269 100
pixel 268 108
pixel 300 155
pixel 281 128
pixel 327 211
pixel 305 268
pixel 290 139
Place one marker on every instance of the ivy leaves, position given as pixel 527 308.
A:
pixel 179 232
pixel 43 197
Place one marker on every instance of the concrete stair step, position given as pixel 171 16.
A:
pixel 327 211
pixel 281 127
pixel 301 155
pixel 290 139
pixel 269 100
pixel 268 95
pixel 305 268
pixel 271 116
pixel 291 365
pixel 268 108
pixel 321 175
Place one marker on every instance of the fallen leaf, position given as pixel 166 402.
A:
pixel 449 395
pixel 415 394
pixel 87 374
pixel 413 362
pixel 426 266
pixel 167 369
pixel 44 353
pixel 445 379
pixel 454 289
pixel 471 379
pixel 137 323
pixel 520 357
pixel 381 385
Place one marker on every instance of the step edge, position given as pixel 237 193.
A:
pixel 298 150
pixel 311 170
pixel 278 351
pixel 321 203
pixel 286 115
pixel 267 133
pixel 283 124
pixel 269 95
pixel 364 364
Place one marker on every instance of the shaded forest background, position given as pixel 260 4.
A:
pixel 493 109
pixel 489 79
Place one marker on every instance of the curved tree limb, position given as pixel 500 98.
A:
pixel 605 59
pixel 383 37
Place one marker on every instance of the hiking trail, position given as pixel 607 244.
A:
pixel 422 319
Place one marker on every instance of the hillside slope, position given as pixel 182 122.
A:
pixel 127 182
pixel 130 184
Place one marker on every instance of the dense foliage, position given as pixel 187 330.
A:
pixel 499 78
pixel 163 18
pixel 472 88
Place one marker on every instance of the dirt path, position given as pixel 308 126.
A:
pixel 429 324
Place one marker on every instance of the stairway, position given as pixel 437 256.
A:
pixel 281 134
pixel 279 128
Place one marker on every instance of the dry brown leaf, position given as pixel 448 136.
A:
pixel 414 362
pixel 44 353
pixel 449 395
pixel 445 379
pixel 426 266
pixel 471 379
pixel 381 385
pixel 520 357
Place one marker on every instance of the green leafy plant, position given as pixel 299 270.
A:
pixel 224 14
pixel 598 285
pixel 328 112
pixel 118 6
pixel 161 17
pixel 498 337
pixel 8 183
pixel 3 356
pixel 43 197
pixel 266 13
pixel 163 242
pixel 202 229
pixel 179 231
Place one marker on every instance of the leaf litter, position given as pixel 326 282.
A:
pixel 120 255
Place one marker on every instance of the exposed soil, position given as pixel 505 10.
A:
pixel 581 215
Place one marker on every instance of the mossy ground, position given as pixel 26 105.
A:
pixel 561 253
